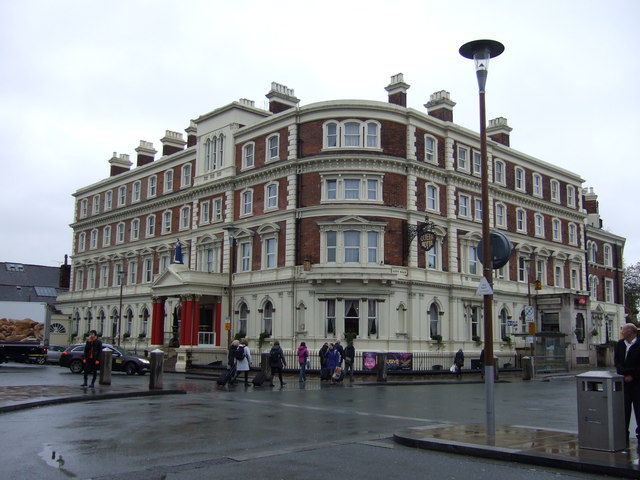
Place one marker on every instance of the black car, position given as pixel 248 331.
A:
pixel 122 361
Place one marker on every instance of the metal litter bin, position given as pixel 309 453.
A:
pixel 601 411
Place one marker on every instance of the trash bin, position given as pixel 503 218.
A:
pixel 527 368
pixel 601 411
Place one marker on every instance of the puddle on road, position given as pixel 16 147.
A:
pixel 55 459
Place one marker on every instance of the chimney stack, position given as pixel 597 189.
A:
pixel 281 98
pixel 146 153
pixel 119 164
pixel 192 134
pixel 172 142
pixel 499 130
pixel 590 205
pixel 441 106
pixel 397 90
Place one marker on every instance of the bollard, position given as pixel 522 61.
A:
pixel 527 368
pixel 381 366
pixel 105 366
pixel 157 363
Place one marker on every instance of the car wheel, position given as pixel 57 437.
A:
pixel 76 366
pixel 41 360
pixel 130 368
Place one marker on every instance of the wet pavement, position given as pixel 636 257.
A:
pixel 512 443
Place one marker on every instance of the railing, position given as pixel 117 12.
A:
pixel 421 362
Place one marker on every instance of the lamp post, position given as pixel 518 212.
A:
pixel 481 51
pixel 231 230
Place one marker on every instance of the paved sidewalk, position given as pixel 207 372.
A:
pixel 555 449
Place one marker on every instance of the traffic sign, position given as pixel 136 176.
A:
pixel 484 288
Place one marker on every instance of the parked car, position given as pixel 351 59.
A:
pixel 121 360
pixel 53 353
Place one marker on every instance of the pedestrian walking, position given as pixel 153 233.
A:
pixel 231 363
pixel 322 354
pixel 243 360
pixel 340 350
pixel 303 358
pixel 277 362
pixel 459 362
pixel 627 361
pixel 349 360
pixel 91 359
pixel 333 361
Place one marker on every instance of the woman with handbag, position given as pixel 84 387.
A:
pixel 303 355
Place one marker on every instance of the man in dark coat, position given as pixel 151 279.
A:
pixel 627 360
pixel 277 362
pixel 91 359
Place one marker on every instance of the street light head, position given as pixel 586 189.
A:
pixel 481 51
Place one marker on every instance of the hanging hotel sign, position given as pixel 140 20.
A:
pixel 425 233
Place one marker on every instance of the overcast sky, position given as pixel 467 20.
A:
pixel 83 79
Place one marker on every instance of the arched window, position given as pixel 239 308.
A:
pixel 101 325
pixel 503 324
pixel 579 331
pixel 144 331
pixel 434 321
pixel 267 318
pixel 242 323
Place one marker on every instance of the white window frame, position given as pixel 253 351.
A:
pixel 272 152
pixel 205 212
pixel 334 248
pixel 108 200
pixel 538 225
pixel 433 259
pixel 473 263
pixel 246 203
pixel 592 248
pixel 217 209
pixel 271 196
pixel 150 226
pixel 364 139
pixel 571 196
pixel 186 175
pixel 208 155
pixel 95 209
pixel 185 217
pixel 133 272
pixel 555 190
pixel 541 270
pixel 464 206
pixel 501 215
pixel 558 276
pixel 270 252
pixel 168 181
pixel 334 188
pixel 122 195
pixel 84 207
pixel 244 253
pixel 477 209
pixel 152 186
pixel 573 280
pixel 94 239
pixel 476 162
pixel 499 172
pixel 608 290
pixel 120 232
pixel 432 196
pixel 136 191
pixel 430 152
pixel 537 185
pixel 520 179
pixel 573 234
pixel 82 242
pixel 521 220
pixel 167 216
pixel 462 159
pixel 106 236
pixel 248 155
pixel 91 278
pixel 104 276
pixel 135 229
pixel 147 270
pixel 607 252
pixel 556 230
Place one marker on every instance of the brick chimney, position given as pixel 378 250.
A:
pixel 119 164
pixel 172 142
pixel 64 279
pixel 192 134
pixel 281 98
pixel 499 130
pixel 441 106
pixel 146 153
pixel 590 205
pixel 397 90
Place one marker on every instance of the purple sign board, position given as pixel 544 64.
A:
pixel 395 361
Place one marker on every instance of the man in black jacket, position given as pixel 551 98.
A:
pixel 92 350
pixel 627 360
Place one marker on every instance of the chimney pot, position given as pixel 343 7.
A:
pixel 281 98
pixel 119 164
pixel 441 106
pixel 172 142
pixel 499 130
pixel 146 153
pixel 397 90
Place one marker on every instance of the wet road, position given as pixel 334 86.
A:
pixel 268 433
